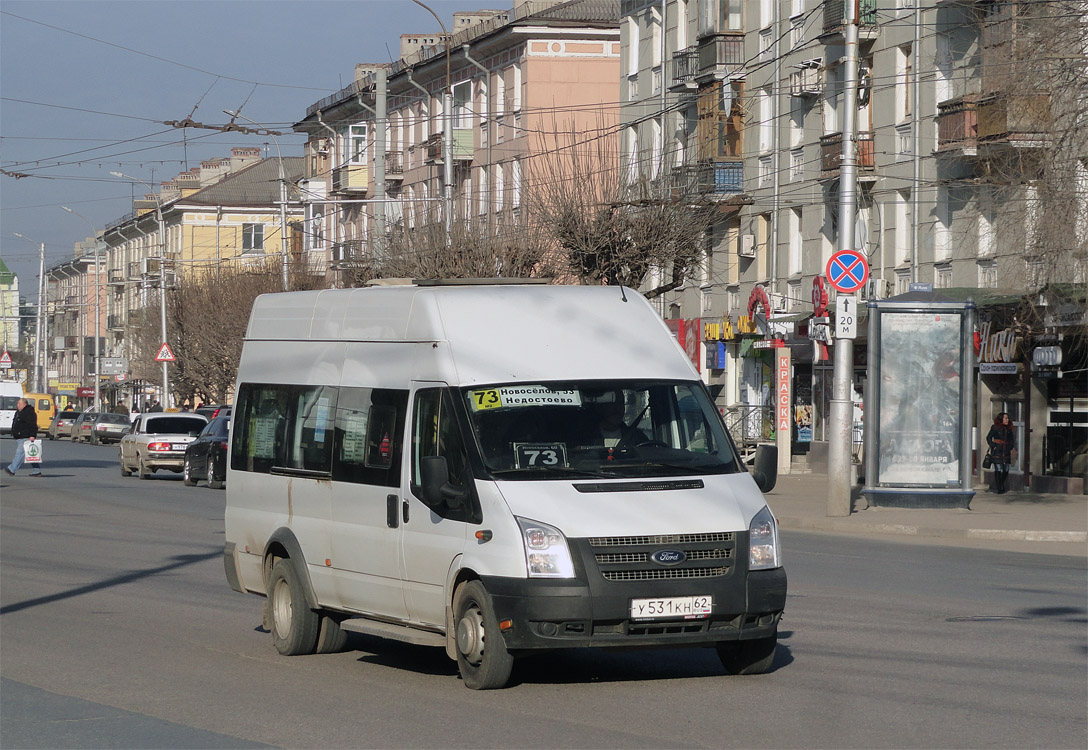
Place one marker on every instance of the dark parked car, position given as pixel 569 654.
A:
pixel 103 428
pixel 206 457
pixel 211 411
pixel 61 426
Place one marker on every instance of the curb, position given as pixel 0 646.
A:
pixel 845 527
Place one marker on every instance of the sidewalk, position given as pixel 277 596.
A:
pixel 1015 521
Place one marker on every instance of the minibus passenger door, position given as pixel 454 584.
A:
pixel 434 524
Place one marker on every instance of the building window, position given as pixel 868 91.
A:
pixel 632 88
pixel 903 74
pixel 499 170
pixel 515 98
pixel 797 164
pixel 462 101
pixel 796 240
pixel 1036 274
pixel 766 120
pixel 903 150
pixel 797 7
pixel 632 156
pixel 985 221
pixel 793 296
pixel 902 226
pixel 253 238
pixel 942 226
pixel 944 277
pixel 655 80
pixel 902 282
pixel 515 183
pixel 632 46
pixel 766 170
pixel 987 274
pixel 734 299
pixel 357 143
pixel 797 32
pixel 766 43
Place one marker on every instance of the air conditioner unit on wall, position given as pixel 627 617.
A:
pixel 321 146
pixel 877 289
pixel 780 303
pixel 747 246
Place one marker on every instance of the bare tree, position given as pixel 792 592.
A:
pixel 421 249
pixel 610 228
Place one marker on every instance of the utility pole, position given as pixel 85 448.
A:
pixel 839 479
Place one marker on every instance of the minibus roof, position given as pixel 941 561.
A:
pixel 496 332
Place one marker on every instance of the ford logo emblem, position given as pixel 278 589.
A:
pixel 668 557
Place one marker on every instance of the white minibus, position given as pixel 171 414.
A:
pixel 495 469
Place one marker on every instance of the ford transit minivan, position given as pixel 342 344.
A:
pixel 493 469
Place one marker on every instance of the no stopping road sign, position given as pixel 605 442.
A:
pixel 847 271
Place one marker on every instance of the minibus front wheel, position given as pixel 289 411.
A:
pixel 748 657
pixel 482 658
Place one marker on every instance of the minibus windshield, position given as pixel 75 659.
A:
pixel 573 429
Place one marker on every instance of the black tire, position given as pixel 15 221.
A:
pixel 95 440
pixel 142 470
pixel 213 483
pixel 482 658
pixel 331 638
pixel 294 625
pixel 187 475
pixel 748 657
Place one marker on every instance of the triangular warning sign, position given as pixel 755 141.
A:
pixel 164 355
pixel 6 358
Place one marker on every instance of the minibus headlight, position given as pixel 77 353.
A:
pixel 763 552
pixel 546 551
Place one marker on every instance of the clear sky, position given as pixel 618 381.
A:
pixel 86 84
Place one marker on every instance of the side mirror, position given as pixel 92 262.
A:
pixel 765 469
pixel 435 475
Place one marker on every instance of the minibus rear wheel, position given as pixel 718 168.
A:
pixel 748 657
pixel 482 658
pixel 294 624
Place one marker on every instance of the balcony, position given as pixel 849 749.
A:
pixel 115 276
pixel 831 154
pixel 135 270
pixel 115 322
pixel 394 165
pixel 351 178
pixel 685 67
pixel 957 126
pixel 721 56
pixel 707 179
pixel 1013 121
pixel 462 146
pixel 834 13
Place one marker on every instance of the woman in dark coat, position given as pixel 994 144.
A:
pixel 1002 441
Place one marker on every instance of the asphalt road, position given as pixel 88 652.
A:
pixel 118 630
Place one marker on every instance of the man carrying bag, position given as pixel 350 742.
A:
pixel 24 428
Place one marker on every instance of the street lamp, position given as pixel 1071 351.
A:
pixel 162 276
pixel 97 308
pixel 283 191
pixel 39 344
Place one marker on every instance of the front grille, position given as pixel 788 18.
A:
pixel 630 541
pixel 663 574
pixel 635 558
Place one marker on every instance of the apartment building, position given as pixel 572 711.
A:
pixel 376 151
pixel 10 329
pixel 744 100
pixel 75 305
pixel 223 214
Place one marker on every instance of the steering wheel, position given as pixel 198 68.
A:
pixel 652 444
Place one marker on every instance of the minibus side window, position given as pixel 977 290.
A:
pixel 369 436
pixel 283 426
pixel 435 433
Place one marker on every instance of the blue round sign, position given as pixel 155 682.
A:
pixel 847 271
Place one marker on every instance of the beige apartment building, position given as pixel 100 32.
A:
pixel 517 79
pixel 75 303
pixel 223 213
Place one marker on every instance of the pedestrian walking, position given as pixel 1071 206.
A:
pixel 24 428
pixel 1002 441
pixel 156 406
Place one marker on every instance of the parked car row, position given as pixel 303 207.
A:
pixel 194 444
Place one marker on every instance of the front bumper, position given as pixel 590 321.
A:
pixel 594 608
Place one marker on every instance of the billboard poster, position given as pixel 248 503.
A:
pixel 919 399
